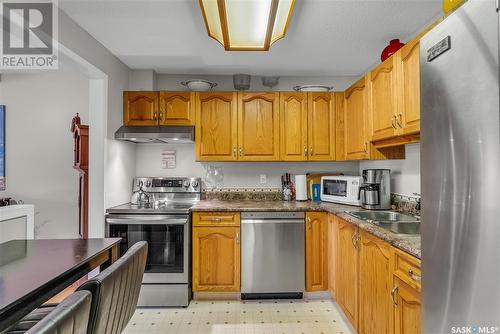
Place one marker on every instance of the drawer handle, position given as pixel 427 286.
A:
pixel 216 219
pixel 414 276
pixel 393 293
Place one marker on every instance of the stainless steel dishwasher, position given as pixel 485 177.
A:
pixel 272 255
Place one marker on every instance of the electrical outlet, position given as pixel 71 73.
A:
pixel 263 178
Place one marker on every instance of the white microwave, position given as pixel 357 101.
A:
pixel 341 189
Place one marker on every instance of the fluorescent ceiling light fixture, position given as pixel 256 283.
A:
pixel 246 25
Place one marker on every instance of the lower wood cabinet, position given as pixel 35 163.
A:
pixel 316 251
pixel 375 284
pixel 347 269
pixel 216 252
pixel 332 254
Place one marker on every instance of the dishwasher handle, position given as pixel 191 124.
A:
pixel 272 221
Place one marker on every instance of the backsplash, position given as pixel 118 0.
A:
pixel 401 203
pixel 405 204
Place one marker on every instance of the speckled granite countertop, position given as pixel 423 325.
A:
pixel 409 244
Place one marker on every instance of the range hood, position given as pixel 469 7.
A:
pixel 156 134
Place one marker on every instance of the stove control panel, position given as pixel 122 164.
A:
pixel 168 184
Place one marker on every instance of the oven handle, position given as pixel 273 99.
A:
pixel 146 220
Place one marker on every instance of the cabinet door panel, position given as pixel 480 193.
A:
pixel 177 108
pixel 410 76
pixel 347 271
pixel 332 255
pixel 293 126
pixel 375 284
pixel 316 251
pixel 356 145
pixel 407 312
pixel 258 126
pixel 321 125
pixel 216 259
pixel 339 127
pixel 140 108
pixel 216 127
pixel 383 103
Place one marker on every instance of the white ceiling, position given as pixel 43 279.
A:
pixel 325 37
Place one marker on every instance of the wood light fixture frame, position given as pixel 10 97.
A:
pixel 268 41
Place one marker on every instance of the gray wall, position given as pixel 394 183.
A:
pixel 39 145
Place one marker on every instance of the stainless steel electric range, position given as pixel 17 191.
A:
pixel 159 214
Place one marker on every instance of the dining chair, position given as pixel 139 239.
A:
pixel 115 291
pixel 71 316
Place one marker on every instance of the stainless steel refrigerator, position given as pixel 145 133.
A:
pixel 460 159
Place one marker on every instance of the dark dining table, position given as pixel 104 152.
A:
pixel 33 271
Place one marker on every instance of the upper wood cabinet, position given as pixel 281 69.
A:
pixel 316 251
pixel 375 284
pixel 347 269
pixel 339 126
pixel 216 259
pixel 216 126
pixel 321 126
pixel 177 108
pixel 293 126
pixel 355 136
pixel 258 126
pixel 140 108
pixel 307 126
pixel 409 116
pixel 384 99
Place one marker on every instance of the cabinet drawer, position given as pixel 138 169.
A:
pixel 216 219
pixel 407 269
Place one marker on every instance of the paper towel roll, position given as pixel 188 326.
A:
pixel 300 188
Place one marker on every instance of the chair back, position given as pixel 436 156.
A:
pixel 71 316
pixel 115 291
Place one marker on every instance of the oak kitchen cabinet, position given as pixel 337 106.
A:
pixel 355 128
pixel 140 108
pixel 177 108
pixel 316 251
pixel 145 108
pixel 384 99
pixel 406 293
pixel 216 126
pixel 332 254
pixel 258 126
pixel 395 98
pixel 307 126
pixel 375 284
pixel 216 252
pixel 346 272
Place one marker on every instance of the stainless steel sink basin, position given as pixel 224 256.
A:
pixel 382 216
pixel 401 227
pixel 395 222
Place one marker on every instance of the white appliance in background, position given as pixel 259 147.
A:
pixel 341 189
pixel 300 188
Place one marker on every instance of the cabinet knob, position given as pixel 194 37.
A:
pixel 414 276
pixel 241 152
pixel 305 150
pixel 234 151
pixel 310 151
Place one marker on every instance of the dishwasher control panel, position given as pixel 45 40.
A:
pixel 272 215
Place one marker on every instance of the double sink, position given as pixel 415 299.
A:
pixel 395 222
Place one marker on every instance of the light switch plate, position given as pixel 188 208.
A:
pixel 263 178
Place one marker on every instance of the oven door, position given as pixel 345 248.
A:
pixel 168 243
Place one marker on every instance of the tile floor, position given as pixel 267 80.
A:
pixel 234 317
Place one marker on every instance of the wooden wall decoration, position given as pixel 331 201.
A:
pixel 81 164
